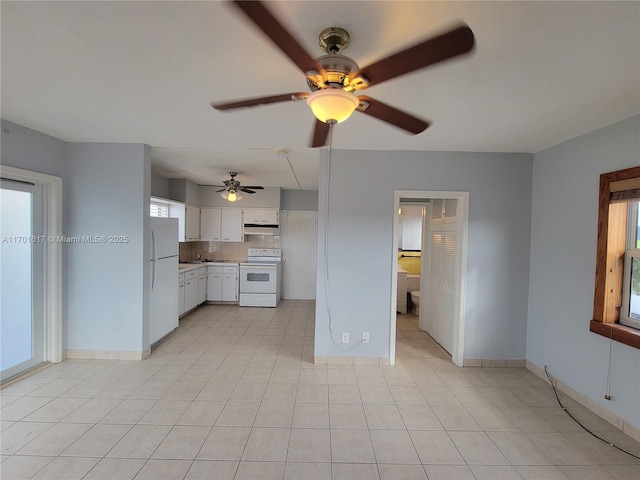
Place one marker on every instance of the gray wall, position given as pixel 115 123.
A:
pixel 31 150
pixel 159 186
pixel 183 190
pixel 361 253
pixel 563 248
pixel 106 189
pixel 299 200
pixel 105 194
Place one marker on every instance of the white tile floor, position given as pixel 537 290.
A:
pixel 232 394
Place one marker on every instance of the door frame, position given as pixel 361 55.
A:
pixel 52 255
pixel 462 224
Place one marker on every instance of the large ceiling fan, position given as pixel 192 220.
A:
pixel 333 78
pixel 232 188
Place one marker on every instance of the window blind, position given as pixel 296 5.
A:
pixel 159 210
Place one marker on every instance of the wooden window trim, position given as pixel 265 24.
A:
pixel 609 265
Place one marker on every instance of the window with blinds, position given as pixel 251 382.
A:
pixel 616 310
pixel 158 209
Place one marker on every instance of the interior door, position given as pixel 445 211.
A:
pixel 299 232
pixel 21 259
pixel 442 285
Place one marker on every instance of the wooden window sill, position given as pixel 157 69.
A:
pixel 615 331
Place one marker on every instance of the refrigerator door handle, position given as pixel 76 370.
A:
pixel 154 258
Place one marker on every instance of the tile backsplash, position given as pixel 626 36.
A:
pixel 236 251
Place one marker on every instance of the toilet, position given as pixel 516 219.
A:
pixel 415 300
pixel 413 286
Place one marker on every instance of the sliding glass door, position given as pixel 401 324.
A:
pixel 21 266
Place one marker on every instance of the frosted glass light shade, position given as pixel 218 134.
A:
pixel 332 104
pixel 232 196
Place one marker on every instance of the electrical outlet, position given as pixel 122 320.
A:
pixel 345 337
pixel 365 337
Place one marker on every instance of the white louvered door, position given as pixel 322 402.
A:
pixel 443 281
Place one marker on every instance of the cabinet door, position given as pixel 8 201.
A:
pixel 231 225
pixel 210 224
pixel 192 223
pixel 181 298
pixel 270 216
pixel 202 288
pixel 230 287
pixel 251 215
pixel 190 293
pixel 214 287
pixel 261 216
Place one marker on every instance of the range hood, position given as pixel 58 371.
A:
pixel 261 229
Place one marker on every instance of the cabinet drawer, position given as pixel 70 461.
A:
pixel 212 269
pixel 181 277
pixel 230 269
pixel 190 275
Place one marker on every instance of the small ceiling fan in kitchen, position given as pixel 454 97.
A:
pixel 334 78
pixel 232 189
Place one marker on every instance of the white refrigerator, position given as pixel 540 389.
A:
pixel 163 316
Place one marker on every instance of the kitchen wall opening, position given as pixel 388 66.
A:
pixel 430 236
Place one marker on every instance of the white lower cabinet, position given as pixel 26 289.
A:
pixel 222 284
pixel 214 284
pixel 180 293
pixel 202 285
pixel 190 290
pixel 230 284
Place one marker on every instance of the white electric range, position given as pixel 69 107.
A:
pixel 260 282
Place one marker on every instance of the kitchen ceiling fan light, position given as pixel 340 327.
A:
pixel 232 196
pixel 332 105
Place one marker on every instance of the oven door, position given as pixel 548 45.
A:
pixel 258 278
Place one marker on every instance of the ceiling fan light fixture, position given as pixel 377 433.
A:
pixel 232 195
pixel 332 105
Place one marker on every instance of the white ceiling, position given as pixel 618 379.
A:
pixel 542 72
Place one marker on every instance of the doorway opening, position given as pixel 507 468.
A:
pixel 442 267
pixel 31 254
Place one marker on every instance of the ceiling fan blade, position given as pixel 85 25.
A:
pixel 320 134
pixel 386 113
pixel 202 185
pixel 253 187
pixel 455 42
pixel 254 102
pixel 245 190
pixel 258 13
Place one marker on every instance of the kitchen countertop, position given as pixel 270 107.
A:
pixel 186 267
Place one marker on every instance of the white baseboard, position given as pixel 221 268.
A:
pixel 589 403
pixel 494 362
pixel 320 360
pixel 106 354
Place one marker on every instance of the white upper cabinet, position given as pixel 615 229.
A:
pixel 231 225
pixel 261 216
pixel 210 224
pixel 192 224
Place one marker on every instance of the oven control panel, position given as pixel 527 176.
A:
pixel 264 252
